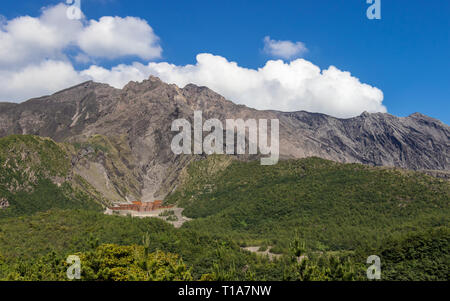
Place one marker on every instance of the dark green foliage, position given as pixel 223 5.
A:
pixel 423 255
pixel 34 175
pixel 34 247
pixel 49 267
pixel 44 196
pixel 335 206
pixel 71 231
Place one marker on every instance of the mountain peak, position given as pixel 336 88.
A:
pixel 424 118
pixel 141 86
pixel 365 114
pixel 417 115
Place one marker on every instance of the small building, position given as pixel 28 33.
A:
pixel 140 206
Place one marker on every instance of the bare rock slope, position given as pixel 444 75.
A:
pixel 121 137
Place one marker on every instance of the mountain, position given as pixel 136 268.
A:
pixel 121 137
pixel 64 157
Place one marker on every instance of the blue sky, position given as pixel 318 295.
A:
pixel 405 54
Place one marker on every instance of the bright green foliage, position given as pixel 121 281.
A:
pixel 106 262
pixel 131 263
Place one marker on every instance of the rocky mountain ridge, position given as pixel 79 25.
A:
pixel 130 131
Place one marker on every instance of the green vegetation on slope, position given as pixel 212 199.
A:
pixel 35 175
pixel 24 153
pixel 335 206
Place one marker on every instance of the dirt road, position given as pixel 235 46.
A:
pixel 156 213
pixel 264 253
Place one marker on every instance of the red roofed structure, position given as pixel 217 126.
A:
pixel 139 206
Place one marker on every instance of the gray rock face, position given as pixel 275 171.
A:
pixel 143 114
pixel 413 142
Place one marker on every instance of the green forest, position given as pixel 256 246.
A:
pixel 320 220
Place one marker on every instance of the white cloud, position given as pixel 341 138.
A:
pixel 293 86
pixel 36 80
pixel 284 49
pixel 113 37
pixel 38 46
pixel 117 76
pixel 27 39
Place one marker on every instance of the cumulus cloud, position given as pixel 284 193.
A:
pixel 39 46
pixel 38 79
pixel 112 37
pixel 293 86
pixel 284 49
pixel 25 39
